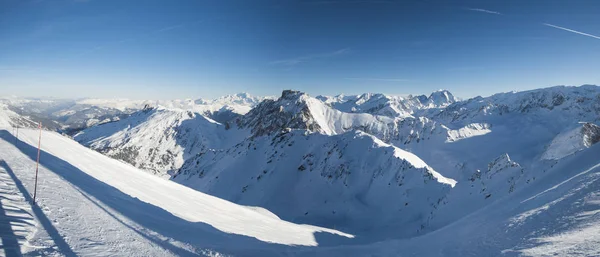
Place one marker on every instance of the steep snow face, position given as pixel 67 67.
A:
pixel 471 130
pixel 572 141
pixel 338 99
pixel 440 98
pixel 158 140
pixel 352 180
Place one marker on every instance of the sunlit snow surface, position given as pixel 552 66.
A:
pixel 509 174
pixel 79 186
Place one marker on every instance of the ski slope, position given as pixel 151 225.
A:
pixel 90 204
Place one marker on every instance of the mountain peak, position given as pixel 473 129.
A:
pixel 441 97
pixel 291 110
pixel 289 94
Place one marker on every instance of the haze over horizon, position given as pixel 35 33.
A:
pixel 191 49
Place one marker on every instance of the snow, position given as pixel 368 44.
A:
pixel 158 140
pixel 564 144
pixel 416 162
pixel 387 105
pixel 582 241
pixel 95 204
pixel 72 115
pixel 471 130
pixel 571 141
pixel 16 217
pixel 352 181
pixel 511 174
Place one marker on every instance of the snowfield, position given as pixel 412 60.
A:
pixel 513 174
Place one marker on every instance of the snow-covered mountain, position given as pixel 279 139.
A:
pixel 386 105
pixel 158 139
pixel 572 141
pixel 10 119
pixel 341 181
pixel 392 170
pixel 73 115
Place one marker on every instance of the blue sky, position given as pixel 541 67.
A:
pixel 198 48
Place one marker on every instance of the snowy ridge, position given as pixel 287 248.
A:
pixel 386 105
pixel 72 115
pixel 344 180
pixel 581 103
pixel 429 175
pixel 297 110
pixel 572 141
pixel 158 140
pixel 9 119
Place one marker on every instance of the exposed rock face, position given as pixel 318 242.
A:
pixel 591 134
pixel 501 177
pixel 289 111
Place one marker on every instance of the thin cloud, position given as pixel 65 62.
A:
pixel 153 32
pixel 351 2
pixel 570 30
pixel 483 11
pixel 380 79
pixel 15 69
pixel 170 28
pixel 303 59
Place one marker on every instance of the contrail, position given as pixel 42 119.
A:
pixel 483 10
pixel 570 30
pixel 380 79
pixel 302 59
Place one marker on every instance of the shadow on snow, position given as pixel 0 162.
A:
pixel 196 234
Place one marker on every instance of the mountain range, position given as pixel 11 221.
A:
pixel 378 166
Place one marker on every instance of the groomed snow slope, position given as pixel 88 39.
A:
pixel 100 205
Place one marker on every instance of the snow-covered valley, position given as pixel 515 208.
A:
pixel 510 174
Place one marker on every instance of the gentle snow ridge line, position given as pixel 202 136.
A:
pixel 179 200
pixel 413 160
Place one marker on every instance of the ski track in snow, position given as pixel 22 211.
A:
pixel 68 219
pixel 16 218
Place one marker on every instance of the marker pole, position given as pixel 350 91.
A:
pixel 38 163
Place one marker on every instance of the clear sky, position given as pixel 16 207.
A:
pixel 200 48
